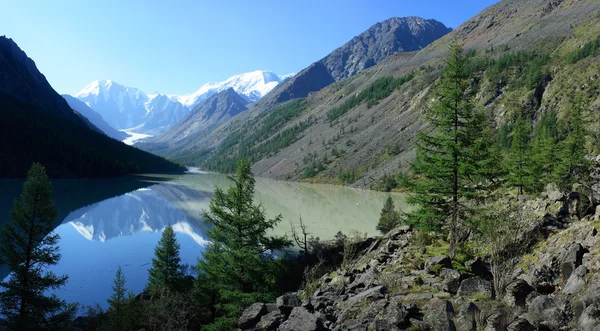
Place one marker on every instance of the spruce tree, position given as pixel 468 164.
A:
pixel 166 269
pixel 237 268
pixel 520 167
pixel 29 248
pixel 389 218
pixel 452 165
pixel 118 315
pixel 573 166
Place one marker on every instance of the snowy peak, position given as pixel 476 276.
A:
pixel 252 85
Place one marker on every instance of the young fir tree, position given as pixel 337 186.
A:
pixel 452 164
pixel 29 248
pixel 572 165
pixel 389 218
pixel 167 269
pixel 543 150
pixel 118 315
pixel 520 169
pixel 237 268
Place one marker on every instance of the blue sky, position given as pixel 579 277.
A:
pixel 176 46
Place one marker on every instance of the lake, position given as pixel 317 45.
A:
pixel 106 223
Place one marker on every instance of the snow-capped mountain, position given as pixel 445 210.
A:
pixel 251 85
pixel 126 107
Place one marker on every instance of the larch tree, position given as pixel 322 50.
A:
pixel 452 166
pixel 389 218
pixel 166 269
pixel 29 247
pixel 520 167
pixel 238 267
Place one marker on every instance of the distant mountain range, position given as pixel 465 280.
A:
pixel 126 107
pixel 396 35
pixel 38 125
pixel 95 118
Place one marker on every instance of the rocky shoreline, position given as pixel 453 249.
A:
pixel 397 285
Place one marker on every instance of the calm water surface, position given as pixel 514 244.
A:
pixel 104 223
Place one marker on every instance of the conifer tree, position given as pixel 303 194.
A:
pixel 543 150
pixel 167 269
pixel 118 315
pixel 452 165
pixel 572 165
pixel 519 164
pixel 389 218
pixel 29 248
pixel 237 268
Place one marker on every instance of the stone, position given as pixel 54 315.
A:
pixel 548 311
pixel 451 280
pixel 435 263
pixel 520 324
pixel 572 259
pixel 398 314
pixel 590 317
pixel 368 295
pixel 439 315
pixel 270 321
pixel 301 320
pixel 475 286
pixel 252 315
pixel 576 282
pixel 531 296
pixel 287 302
pixel 516 293
pixel 468 313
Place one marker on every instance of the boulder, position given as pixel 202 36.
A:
pixel 516 293
pixel 368 295
pixel 287 302
pixel 439 315
pixel 475 286
pixel 571 259
pixel 451 280
pixel 398 314
pixel 466 318
pixel 252 315
pixel 520 324
pixel 301 320
pixel 590 318
pixel 435 263
pixel 548 311
pixel 270 321
pixel 576 282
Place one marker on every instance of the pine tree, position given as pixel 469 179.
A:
pixel 573 167
pixel 29 248
pixel 519 160
pixel 452 165
pixel 236 268
pixel 167 269
pixel 389 218
pixel 118 315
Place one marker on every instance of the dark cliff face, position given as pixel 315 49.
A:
pixel 383 39
pixel 20 77
pixel 380 41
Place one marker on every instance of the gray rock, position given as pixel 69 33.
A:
pixel 301 320
pixel 368 295
pixel 270 321
pixel 451 280
pixel 479 268
pixel 575 283
pixel 590 317
pixel 475 286
pixel 252 315
pixel 549 311
pixel 466 318
pixel 398 314
pixel 435 263
pixel 572 259
pixel 287 302
pixel 520 324
pixel 439 315
pixel 516 293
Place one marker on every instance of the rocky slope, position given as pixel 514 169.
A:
pixel 398 283
pixel 370 139
pixel 95 118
